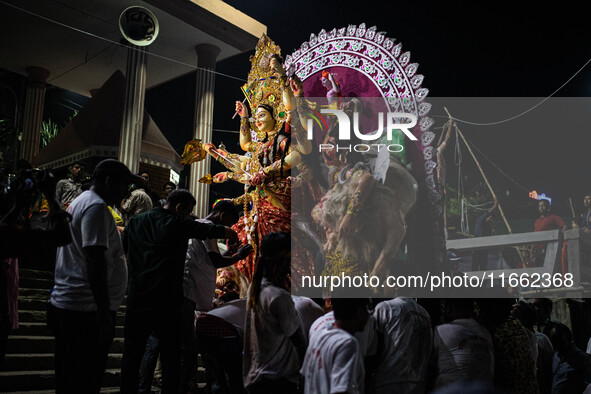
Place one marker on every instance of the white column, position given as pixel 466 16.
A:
pixel 203 122
pixel 33 115
pixel 130 140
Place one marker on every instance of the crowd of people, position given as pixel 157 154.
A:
pixel 184 295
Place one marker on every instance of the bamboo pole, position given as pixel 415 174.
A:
pixel 572 209
pixel 482 173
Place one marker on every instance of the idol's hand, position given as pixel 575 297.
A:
pixel 297 87
pixel 258 179
pixel 220 177
pixel 277 66
pixel 209 148
pixel 241 110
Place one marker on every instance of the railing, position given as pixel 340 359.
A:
pixel 578 248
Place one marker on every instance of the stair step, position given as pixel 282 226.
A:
pixel 45 380
pixel 27 316
pixel 40 304
pixel 32 303
pixel 18 344
pixel 45 361
pixel 105 390
pixel 32 292
pixel 41 329
pixel 34 274
pixel 36 283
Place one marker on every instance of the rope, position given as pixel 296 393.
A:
pixel 527 110
pixel 479 207
pixel 497 167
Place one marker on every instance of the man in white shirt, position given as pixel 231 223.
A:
pixel 90 282
pixel 406 338
pixel 201 264
pixel 273 342
pixel 334 362
pixel 219 336
pixel 462 348
pixel 308 312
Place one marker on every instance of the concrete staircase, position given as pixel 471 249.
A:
pixel 29 364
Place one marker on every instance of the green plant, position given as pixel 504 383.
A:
pixel 49 130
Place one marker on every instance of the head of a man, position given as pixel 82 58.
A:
pixel 145 176
pixel 544 207
pixel 351 314
pixel 525 313
pixel 224 213
pixel 181 202
pixel 458 308
pixel 111 180
pixel 77 169
pixel 587 201
pixel 275 255
pixel 543 308
pixel 168 188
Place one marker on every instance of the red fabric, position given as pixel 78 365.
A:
pixel 550 222
pixel 271 219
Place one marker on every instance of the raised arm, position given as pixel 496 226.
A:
pixel 245 137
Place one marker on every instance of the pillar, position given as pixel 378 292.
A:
pixel 33 115
pixel 203 121
pixel 130 140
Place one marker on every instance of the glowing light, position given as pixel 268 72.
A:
pixel 534 194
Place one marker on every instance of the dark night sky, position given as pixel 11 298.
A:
pixel 475 49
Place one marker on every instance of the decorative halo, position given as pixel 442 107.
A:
pixel 382 62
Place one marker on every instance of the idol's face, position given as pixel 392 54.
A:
pixel 264 120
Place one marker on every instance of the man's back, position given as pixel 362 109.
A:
pixel 156 242
pixel 268 351
pixel 408 339
pixel 92 225
pixel 333 363
pixel 464 351
pixel 200 273
pixel 137 203
pixel 572 371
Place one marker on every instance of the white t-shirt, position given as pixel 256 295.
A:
pixel 533 344
pixel 92 225
pixel 268 351
pixel 333 363
pixel 405 327
pixel 308 311
pixel 234 312
pixel 367 338
pixel 464 351
pixel 200 273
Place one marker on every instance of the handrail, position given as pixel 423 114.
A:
pixel 495 241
